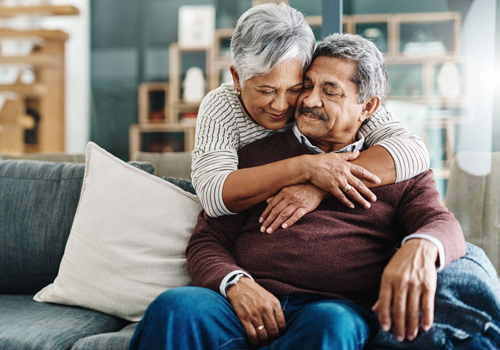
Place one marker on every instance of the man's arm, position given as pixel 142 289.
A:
pixel 209 260
pixel 409 281
pixel 208 251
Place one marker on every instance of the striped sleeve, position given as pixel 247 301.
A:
pixel 407 149
pixel 215 154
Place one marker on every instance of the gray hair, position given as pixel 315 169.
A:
pixel 370 75
pixel 267 35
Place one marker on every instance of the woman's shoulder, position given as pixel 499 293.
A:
pixel 223 94
pixel 220 103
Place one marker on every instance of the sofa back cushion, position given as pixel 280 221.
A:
pixel 169 164
pixel 38 201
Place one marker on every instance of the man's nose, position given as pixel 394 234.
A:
pixel 312 98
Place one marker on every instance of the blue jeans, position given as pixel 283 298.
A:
pixel 199 318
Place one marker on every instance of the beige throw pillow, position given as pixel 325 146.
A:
pixel 128 239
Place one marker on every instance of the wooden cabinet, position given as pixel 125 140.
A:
pixel 44 97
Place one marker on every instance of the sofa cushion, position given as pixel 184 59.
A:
pixel 173 164
pixel 185 184
pixel 49 157
pixel 28 325
pixel 38 201
pixel 108 341
pixel 128 240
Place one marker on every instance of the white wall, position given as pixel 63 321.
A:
pixel 77 72
pixel 478 44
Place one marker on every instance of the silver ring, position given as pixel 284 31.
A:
pixel 347 188
pixel 260 328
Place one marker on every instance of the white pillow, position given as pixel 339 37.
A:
pixel 128 239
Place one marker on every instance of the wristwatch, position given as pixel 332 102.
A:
pixel 235 279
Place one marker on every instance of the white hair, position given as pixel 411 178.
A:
pixel 267 35
pixel 370 75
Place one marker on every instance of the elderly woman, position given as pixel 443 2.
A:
pixel 271 47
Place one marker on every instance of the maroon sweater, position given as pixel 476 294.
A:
pixel 333 251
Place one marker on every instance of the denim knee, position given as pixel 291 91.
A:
pixel 342 326
pixel 181 301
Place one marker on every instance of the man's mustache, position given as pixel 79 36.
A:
pixel 313 111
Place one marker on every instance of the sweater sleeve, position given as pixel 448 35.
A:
pixel 421 212
pixel 215 154
pixel 208 252
pixel 407 149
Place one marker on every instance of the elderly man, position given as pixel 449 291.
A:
pixel 313 285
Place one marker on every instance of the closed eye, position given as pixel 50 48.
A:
pixel 267 92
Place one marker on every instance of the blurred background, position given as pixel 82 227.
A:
pixel 129 74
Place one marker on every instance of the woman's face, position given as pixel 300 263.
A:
pixel 270 99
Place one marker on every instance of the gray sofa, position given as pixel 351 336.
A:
pixel 38 200
pixel 472 196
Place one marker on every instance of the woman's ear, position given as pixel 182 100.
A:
pixel 236 79
pixel 369 107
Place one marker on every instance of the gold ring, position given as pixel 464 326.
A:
pixel 347 188
pixel 260 328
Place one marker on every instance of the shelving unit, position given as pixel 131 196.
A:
pixel 138 131
pixel 418 71
pixel 175 103
pixel 179 116
pixel 47 62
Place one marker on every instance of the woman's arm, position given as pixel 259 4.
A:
pixel 408 153
pixel 330 172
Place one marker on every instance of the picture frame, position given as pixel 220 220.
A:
pixel 196 26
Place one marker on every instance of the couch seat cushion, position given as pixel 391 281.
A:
pixel 107 341
pixel 28 325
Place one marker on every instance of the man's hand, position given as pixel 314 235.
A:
pixel 408 285
pixel 333 173
pixel 256 307
pixel 289 205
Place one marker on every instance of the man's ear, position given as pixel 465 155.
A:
pixel 369 107
pixel 236 78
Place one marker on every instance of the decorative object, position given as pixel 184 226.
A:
pixel 448 80
pixel 193 85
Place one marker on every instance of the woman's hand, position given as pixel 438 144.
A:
pixel 289 205
pixel 333 173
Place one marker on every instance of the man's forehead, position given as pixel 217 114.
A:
pixel 325 69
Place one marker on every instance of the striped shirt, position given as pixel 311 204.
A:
pixel 223 128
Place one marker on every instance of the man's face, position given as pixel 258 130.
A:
pixel 328 112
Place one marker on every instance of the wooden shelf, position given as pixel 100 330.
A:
pixel 187 107
pixel 25 90
pixel 136 131
pixel 314 21
pixel 38 33
pixel 38 10
pixel 37 59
